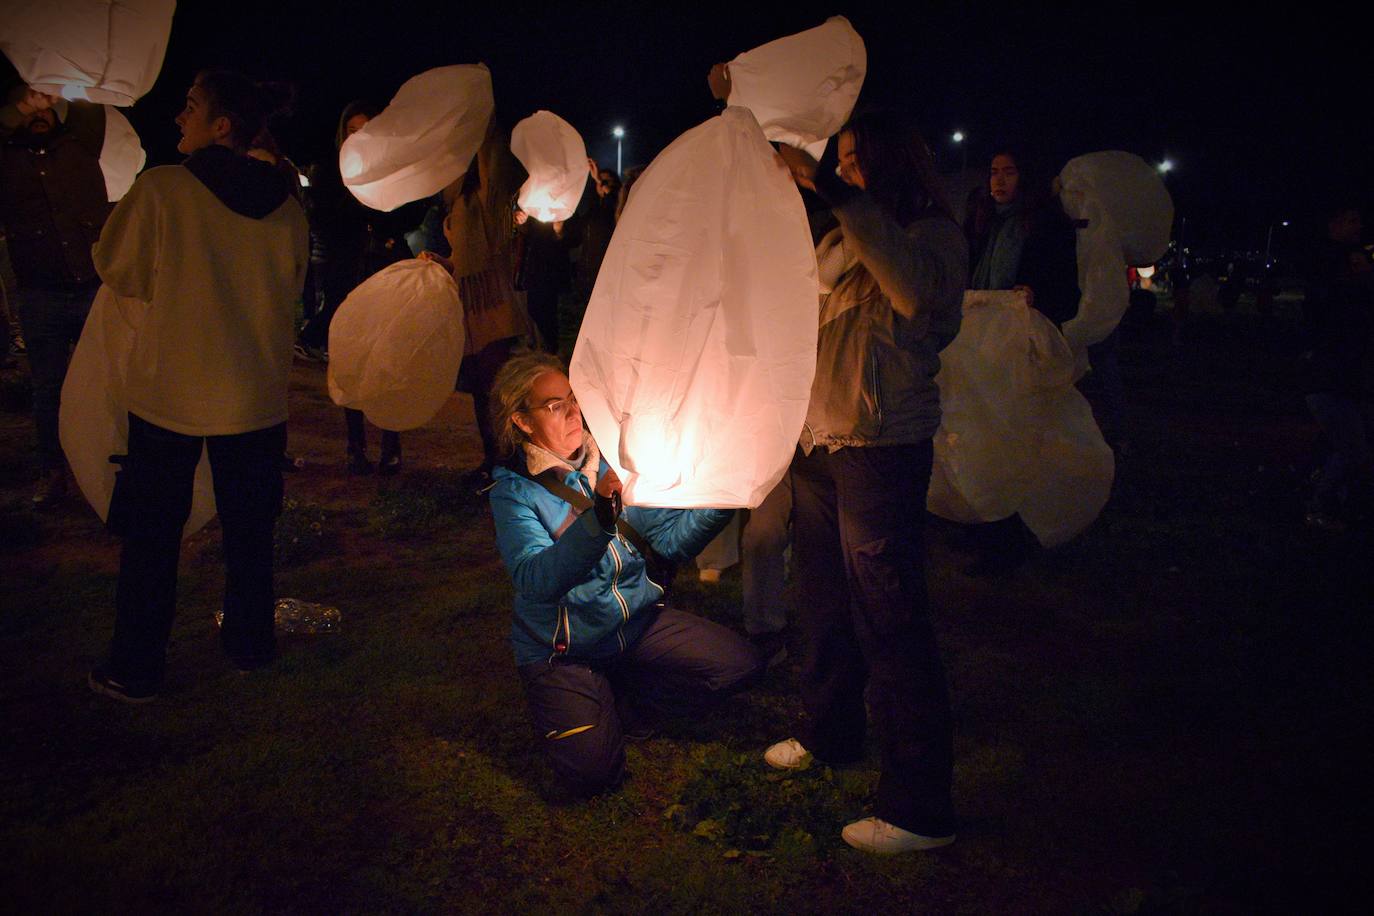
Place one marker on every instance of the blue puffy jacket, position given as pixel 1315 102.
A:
pixel 576 582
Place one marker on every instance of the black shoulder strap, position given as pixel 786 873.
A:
pixel 579 501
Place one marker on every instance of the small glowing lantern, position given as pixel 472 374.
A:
pixel 105 51
pixel 694 362
pixel 803 87
pixel 555 157
pixel 396 343
pixel 423 140
pixel 94 420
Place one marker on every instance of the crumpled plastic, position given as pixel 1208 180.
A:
pixel 93 422
pixel 694 362
pixel 1129 216
pixel 802 88
pixel 396 343
pixel 423 141
pixel 104 51
pixel 1016 436
pixel 554 156
pixel 121 155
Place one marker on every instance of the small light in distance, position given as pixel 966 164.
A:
pixel 958 136
pixel 617 132
pixel 1165 167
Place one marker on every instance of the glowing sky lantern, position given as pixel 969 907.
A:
pixel 695 357
pixel 1016 436
pixel 396 343
pixel 802 88
pixel 94 420
pixel 423 140
pixel 555 157
pixel 1129 215
pixel 106 51
pixel 121 155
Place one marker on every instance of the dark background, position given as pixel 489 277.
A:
pixel 1264 112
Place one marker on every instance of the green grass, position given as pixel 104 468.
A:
pixel 1168 715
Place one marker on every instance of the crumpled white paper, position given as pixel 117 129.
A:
pixel 1015 435
pixel 121 155
pixel 93 422
pixel 695 358
pixel 802 88
pixel 423 140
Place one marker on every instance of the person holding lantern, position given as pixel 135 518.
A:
pixel 892 278
pixel 600 655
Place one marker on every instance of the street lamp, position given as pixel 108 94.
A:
pixel 619 133
pixel 958 139
pixel 1165 167
pixel 1269 241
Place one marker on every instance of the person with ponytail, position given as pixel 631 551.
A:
pixel 217 247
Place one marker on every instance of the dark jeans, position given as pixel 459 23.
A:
pixel 248 491
pixel 680 665
pixel 52 320
pixel 357 435
pixel 857 542
pixel 542 303
pixel 763 567
pixel 475 377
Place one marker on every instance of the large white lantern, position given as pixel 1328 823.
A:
pixel 1015 435
pixel 802 88
pixel 695 358
pixel 555 158
pixel 121 155
pixel 1128 215
pixel 396 343
pixel 423 140
pixel 93 422
pixel 106 51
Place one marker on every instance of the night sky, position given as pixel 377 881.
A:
pixel 1263 112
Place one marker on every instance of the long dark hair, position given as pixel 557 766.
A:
pixel 247 104
pixel 354 108
pixel 1032 189
pixel 897 166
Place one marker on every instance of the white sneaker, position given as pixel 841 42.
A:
pixel 873 834
pixel 787 755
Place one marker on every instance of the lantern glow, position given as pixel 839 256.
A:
pixel 555 158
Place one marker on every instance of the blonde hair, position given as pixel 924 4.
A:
pixel 510 390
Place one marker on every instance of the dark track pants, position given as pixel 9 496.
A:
pixel 248 494
pixel 857 544
pixel 679 666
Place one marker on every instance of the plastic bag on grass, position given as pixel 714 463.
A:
pixel 423 140
pixel 693 366
pixel 93 423
pixel 802 88
pixel 121 155
pixel 1015 435
pixel 1129 216
pixel 396 343
pixel 105 51
pixel 555 157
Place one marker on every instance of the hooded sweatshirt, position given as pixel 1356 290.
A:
pixel 218 247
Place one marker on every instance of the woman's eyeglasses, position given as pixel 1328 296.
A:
pixel 561 408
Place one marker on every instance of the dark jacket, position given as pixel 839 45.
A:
pixel 1049 259
pixel 53 201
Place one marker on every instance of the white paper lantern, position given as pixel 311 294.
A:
pixel 1015 435
pixel 555 157
pixel 802 88
pixel 1129 215
pixel 423 140
pixel 121 156
pixel 106 51
pixel 93 422
pixel 695 358
pixel 396 343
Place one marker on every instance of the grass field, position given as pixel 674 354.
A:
pixel 1171 714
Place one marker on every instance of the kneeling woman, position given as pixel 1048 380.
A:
pixel 597 649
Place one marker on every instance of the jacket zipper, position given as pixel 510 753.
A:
pixel 615 579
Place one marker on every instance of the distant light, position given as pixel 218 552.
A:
pixel 1146 272
pixel 958 136
pixel 617 132
pixel 1284 224
pixel 305 182
pixel 1165 167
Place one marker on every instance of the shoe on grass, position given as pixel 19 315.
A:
pixel 357 463
pixel 51 487
pixel 101 681
pixel 873 834
pixel 390 465
pixel 787 755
